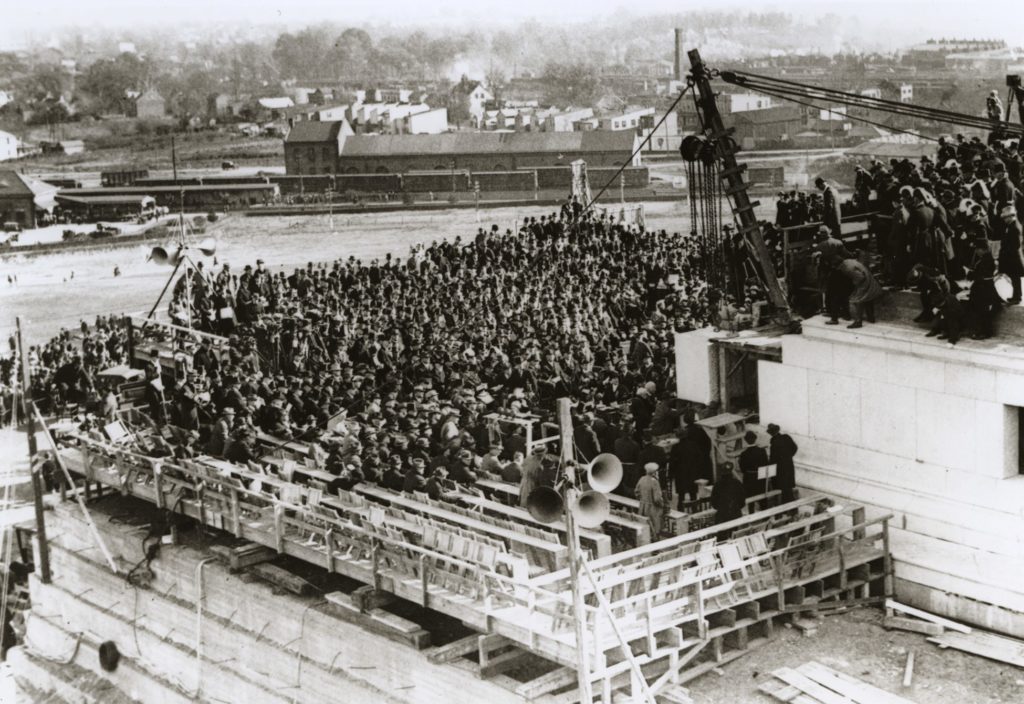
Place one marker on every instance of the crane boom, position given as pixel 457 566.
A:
pixel 736 188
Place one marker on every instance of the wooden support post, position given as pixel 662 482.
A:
pixel 573 539
pixel 887 561
pixel 857 516
pixel 158 488
pixel 329 551
pixel 236 519
pixel 279 528
pixel 35 467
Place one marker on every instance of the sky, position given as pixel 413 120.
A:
pixel 917 18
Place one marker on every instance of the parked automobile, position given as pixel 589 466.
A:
pixel 226 165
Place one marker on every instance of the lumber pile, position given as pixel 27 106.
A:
pixel 987 645
pixel 918 621
pixel 814 683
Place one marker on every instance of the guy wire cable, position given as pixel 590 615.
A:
pixel 910 109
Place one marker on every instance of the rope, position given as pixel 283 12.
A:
pixel 646 140
pixel 882 104
pixel 787 95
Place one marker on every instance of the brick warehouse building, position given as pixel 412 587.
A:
pixel 312 147
pixel 475 151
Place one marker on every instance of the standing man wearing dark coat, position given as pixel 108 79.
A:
pixel 704 468
pixel 750 459
pixel 984 301
pixel 1011 262
pixel 728 496
pixel 783 449
pixel 830 200
pixel 684 459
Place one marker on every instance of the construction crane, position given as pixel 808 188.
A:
pixel 715 144
pixel 720 146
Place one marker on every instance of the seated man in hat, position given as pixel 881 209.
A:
pixel 220 435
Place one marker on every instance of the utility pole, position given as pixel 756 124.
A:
pixel 567 462
pixel 34 467
pixel 736 188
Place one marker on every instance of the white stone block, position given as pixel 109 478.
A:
pixel 946 429
pixel 887 413
pixel 970 381
pixel 1010 388
pixel 996 441
pixel 908 370
pixel 696 367
pixel 834 407
pixel 782 396
pixel 798 351
pixel 863 362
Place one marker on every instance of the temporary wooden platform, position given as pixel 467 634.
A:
pixel 685 604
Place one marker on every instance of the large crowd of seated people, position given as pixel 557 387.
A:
pixel 415 352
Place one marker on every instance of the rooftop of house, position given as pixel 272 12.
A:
pixel 313 132
pixel 488 143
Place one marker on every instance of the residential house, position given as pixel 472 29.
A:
pixel 743 102
pixel 9 145
pixel 150 105
pixel 312 147
pixel 635 119
pixel 434 121
pixel 274 108
pixel 756 128
pixel 22 198
pixel 478 96
pixel 331 113
pixel 565 120
pixel 66 147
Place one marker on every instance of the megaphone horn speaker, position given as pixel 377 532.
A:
pixel 159 255
pixel 208 246
pixel 545 504
pixel 604 473
pixel 591 509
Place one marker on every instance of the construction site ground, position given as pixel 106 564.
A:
pixel 855 643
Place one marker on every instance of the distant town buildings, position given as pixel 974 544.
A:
pixel 328 147
pixel 9 146
pixel 313 147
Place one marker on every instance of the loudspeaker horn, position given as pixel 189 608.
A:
pixel 591 509
pixel 545 504
pixel 208 246
pixel 604 473
pixel 165 255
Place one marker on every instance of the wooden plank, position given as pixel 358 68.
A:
pixel 987 645
pixel 833 604
pixel 556 679
pixel 280 577
pixel 914 626
pixel 908 671
pixel 454 650
pixel 849 686
pixel 783 692
pixel 392 621
pixel 944 622
pixel 809 686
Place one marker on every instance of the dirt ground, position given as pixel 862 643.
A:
pixel 855 643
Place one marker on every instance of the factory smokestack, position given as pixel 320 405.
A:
pixel 679 55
